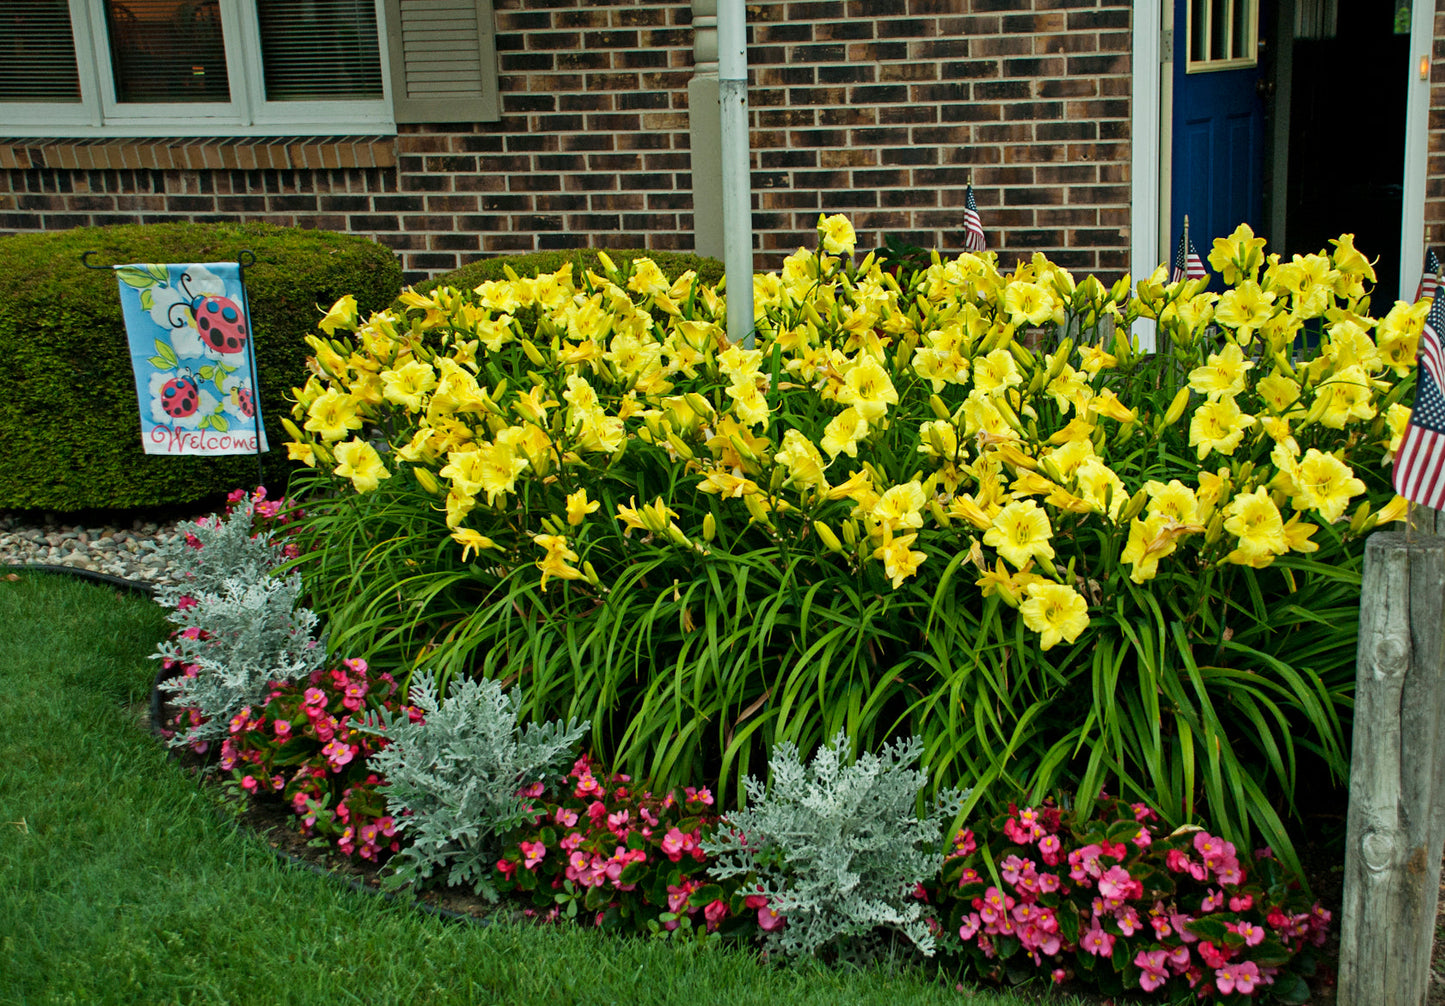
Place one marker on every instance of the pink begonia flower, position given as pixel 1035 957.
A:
pixel 571 841
pixel 1048 882
pixel 338 754
pixel 186 603
pixel 1097 942
pixel 531 790
pixel 566 818
pixel 964 843
pixel 1049 847
pixel 1011 867
pixel 506 868
pixel 596 811
pixel 1214 957
pixel 356 665
pixel 1059 976
pixel 1127 920
pixel 1240 978
pixel 1143 840
pixel 1241 903
pixel 971 925
pixel 1253 935
pixel 248 783
pixel 676 842
pixel 1084 864
pixel 1116 883
pixel 714 913
pixel 314 697
pixel 1179 960
pixel 617 823
pixel 1152 968
pixel 587 785
pixel 768 920
pixel 1213 901
pixel 283 730
pixel 533 853
pixel 702 795
pixel 969 876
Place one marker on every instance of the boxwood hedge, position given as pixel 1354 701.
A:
pixel 69 422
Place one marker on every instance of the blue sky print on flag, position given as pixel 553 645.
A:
pixel 190 347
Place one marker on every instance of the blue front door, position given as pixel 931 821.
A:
pixel 1218 149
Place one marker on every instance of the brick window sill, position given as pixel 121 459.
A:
pixel 190 154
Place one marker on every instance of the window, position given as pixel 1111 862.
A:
pixel 1223 35
pixel 242 67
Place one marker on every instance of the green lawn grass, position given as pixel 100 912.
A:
pixel 122 882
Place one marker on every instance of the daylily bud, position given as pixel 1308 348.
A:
pixel 939 409
pixel 292 430
pixel 939 514
pixel 827 537
pixel 680 446
pixel 698 404
pixel 427 480
pixel 533 353
pixel 590 573
pixel 1177 406
pixel 850 532
pixel 1214 530
pixel 1360 519
pixel 755 508
pixel 709 527
pixel 1134 507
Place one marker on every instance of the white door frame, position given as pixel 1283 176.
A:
pixel 1153 126
pixel 1417 136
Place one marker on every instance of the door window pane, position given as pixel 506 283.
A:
pixel 167 51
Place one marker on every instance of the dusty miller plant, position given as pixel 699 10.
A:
pixel 228 549
pixel 838 849
pixel 453 779
pixel 239 638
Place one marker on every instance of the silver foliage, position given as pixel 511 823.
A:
pixel 837 848
pixel 228 550
pixel 452 781
pixel 239 638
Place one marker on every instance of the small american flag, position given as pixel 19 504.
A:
pixel 1430 278
pixel 1421 460
pixel 1187 263
pixel 972 223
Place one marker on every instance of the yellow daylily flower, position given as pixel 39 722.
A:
pixel 579 506
pixel 1218 426
pixel 359 462
pixel 1058 613
pixel 1256 522
pixel 471 541
pixel 1020 532
pixel 900 560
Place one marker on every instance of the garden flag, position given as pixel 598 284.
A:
pixel 1187 263
pixel 1419 462
pixel 1430 278
pixel 972 223
pixel 190 347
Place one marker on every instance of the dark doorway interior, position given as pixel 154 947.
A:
pixel 1347 139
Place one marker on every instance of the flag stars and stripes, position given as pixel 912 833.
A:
pixel 1420 463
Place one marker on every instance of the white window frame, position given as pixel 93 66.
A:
pixel 1234 61
pixel 246 114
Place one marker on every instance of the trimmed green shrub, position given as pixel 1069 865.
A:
pixel 69 421
pixel 672 264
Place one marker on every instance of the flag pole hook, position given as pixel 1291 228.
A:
pixel 85 261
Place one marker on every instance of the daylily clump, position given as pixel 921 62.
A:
pixel 994 449
pixel 958 502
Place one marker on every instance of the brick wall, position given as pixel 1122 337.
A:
pixel 878 108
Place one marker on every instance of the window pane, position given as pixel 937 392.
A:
pixel 1242 40
pixel 1218 35
pixel 1198 38
pixel 167 50
pixel 316 50
pixel 37 52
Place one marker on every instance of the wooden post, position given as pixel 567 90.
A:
pixel 1396 826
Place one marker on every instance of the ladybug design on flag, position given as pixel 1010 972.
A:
pixel 219 320
pixel 180 397
pixel 245 402
pixel 220 323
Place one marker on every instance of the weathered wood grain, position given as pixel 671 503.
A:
pixel 1396 823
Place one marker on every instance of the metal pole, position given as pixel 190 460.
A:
pixel 737 196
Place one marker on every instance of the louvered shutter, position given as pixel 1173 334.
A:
pixel 443 60
pixel 37 52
